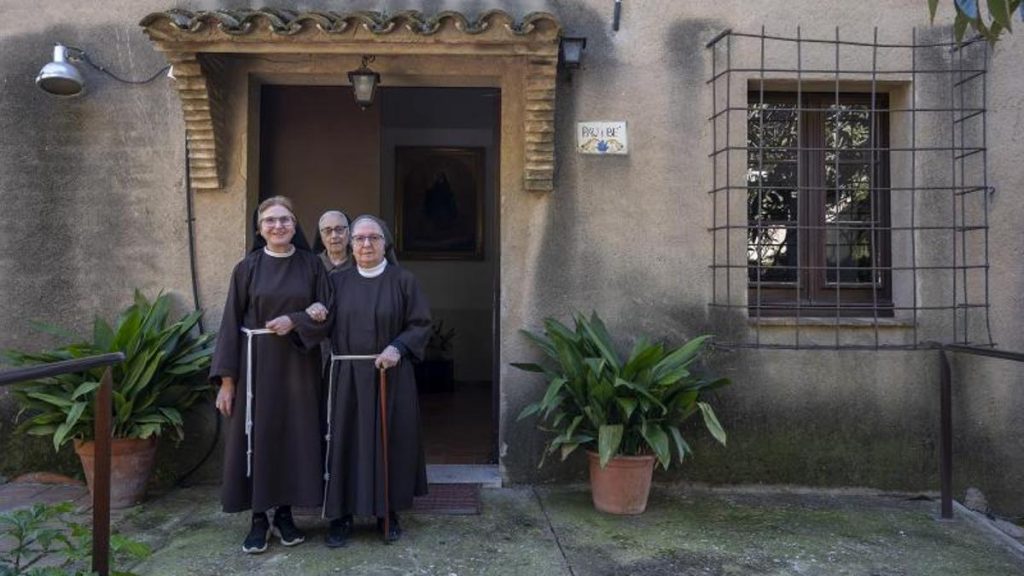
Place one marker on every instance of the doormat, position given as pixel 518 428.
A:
pixel 454 499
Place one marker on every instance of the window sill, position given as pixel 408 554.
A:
pixel 826 322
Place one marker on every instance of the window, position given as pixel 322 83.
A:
pixel 818 231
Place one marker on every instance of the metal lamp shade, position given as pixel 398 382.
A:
pixel 364 85
pixel 60 77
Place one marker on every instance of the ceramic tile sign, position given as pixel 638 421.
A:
pixel 602 138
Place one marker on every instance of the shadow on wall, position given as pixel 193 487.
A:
pixel 91 191
pixel 553 254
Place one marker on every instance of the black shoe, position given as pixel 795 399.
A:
pixel 338 532
pixel 284 527
pixel 256 541
pixel 394 528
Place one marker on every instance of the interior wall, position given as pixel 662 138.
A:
pixel 320 149
pixel 461 292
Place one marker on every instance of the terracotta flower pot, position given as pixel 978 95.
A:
pixel 131 463
pixel 623 485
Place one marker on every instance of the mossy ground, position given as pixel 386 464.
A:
pixel 554 530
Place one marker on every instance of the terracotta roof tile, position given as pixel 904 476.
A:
pixel 289 22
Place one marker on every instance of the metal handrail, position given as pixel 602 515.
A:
pixel 102 429
pixel 946 412
pixel 51 369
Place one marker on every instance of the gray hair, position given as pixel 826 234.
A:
pixel 320 223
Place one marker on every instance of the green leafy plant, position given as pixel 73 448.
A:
pixel 620 406
pixel 162 376
pixel 990 23
pixel 45 540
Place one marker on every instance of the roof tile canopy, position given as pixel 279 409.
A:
pixel 289 22
pixel 182 35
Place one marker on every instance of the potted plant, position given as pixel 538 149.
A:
pixel 626 411
pixel 436 373
pixel 161 377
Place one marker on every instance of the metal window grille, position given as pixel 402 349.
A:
pixel 849 191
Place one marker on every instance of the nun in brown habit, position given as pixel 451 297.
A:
pixel 378 309
pixel 270 383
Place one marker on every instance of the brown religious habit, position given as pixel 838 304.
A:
pixel 285 465
pixel 367 315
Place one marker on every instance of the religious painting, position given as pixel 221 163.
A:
pixel 439 203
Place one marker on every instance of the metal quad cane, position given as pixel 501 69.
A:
pixel 383 403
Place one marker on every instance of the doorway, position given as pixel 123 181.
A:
pixel 319 148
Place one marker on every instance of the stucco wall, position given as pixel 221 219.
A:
pixel 93 196
pixel 626 236
pixel 91 188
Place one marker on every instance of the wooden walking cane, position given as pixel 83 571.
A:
pixel 384 443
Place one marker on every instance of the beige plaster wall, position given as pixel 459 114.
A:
pixel 626 236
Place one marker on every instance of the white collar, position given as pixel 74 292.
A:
pixel 269 252
pixel 373 272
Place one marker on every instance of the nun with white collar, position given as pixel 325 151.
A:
pixel 269 382
pixel 379 309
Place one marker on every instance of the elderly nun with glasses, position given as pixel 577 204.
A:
pixel 270 383
pixel 380 320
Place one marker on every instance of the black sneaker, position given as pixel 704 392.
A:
pixel 339 531
pixel 259 534
pixel 284 527
pixel 394 528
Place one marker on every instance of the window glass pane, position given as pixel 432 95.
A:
pixel 849 200
pixel 848 132
pixel 771 253
pixel 772 133
pixel 848 209
pixel 850 246
pixel 772 142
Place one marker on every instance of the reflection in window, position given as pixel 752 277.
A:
pixel 817 201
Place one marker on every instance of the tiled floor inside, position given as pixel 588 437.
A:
pixel 457 424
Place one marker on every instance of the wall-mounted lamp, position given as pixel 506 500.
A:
pixel 364 83
pixel 570 51
pixel 62 78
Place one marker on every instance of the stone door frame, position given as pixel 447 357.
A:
pixel 221 58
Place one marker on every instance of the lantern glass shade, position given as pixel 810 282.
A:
pixel 364 85
pixel 572 51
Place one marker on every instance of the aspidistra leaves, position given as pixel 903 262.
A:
pixel 617 405
pixel 609 439
pixel 711 421
pixel 161 375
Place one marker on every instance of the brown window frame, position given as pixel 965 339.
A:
pixel 812 295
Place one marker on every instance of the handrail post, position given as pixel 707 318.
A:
pixel 946 436
pixel 101 477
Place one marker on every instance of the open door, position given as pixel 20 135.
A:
pixel 426 160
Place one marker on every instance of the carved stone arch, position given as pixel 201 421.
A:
pixel 191 41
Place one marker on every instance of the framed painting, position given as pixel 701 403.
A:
pixel 439 203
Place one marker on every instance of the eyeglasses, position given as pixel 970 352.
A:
pixel 272 221
pixel 340 230
pixel 372 238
